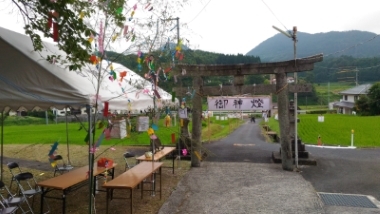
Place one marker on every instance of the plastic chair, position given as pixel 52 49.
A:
pixel 14 169
pixel 127 157
pixel 28 188
pixel 7 210
pixel 60 165
pixel 8 199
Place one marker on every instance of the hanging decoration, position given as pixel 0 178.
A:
pixel 122 75
pixel 133 12
pixel 173 137
pixel 150 131
pixel 129 107
pixel 167 121
pixel 53 23
pixel 125 30
pixel 51 154
pixel 114 37
pixel 91 38
pixel 139 57
pixel 149 7
pixel 105 109
pixel 81 14
pixel 112 73
pixel 94 59
pixel 101 38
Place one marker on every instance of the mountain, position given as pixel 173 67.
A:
pixel 358 44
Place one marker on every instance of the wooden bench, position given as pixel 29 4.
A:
pixel 70 181
pixel 131 179
pixel 158 156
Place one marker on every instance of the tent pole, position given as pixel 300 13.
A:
pixel 90 159
pixel 67 140
pixel 2 144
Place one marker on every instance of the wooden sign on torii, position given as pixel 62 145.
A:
pixel 280 69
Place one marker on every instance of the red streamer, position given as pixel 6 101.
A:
pixel 173 137
pixel 55 32
pixel 105 110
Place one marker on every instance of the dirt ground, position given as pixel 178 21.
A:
pixel 34 159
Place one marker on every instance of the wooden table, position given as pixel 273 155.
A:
pixel 158 156
pixel 70 181
pixel 131 178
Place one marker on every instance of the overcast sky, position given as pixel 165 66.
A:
pixel 237 26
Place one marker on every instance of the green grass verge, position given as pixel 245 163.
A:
pixel 48 134
pixel 336 130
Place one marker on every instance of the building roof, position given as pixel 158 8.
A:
pixel 360 89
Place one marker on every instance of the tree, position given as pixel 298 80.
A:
pixel 374 99
pixel 362 105
pixel 86 30
pixel 73 25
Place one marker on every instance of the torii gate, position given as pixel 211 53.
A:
pixel 280 69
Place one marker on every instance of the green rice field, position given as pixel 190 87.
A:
pixel 337 129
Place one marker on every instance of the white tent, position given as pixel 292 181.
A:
pixel 27 80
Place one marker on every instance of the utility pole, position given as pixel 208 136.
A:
pixel 294 38
pixel 356 76
pixel 328 94
pixel 183 134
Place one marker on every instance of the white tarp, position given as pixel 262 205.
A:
pixel 27 80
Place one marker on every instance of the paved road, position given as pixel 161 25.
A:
pixel 351 171
pixel 240 177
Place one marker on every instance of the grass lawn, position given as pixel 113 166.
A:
pixel 48 134
pixel 336 129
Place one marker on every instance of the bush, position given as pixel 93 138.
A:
pixel 321 112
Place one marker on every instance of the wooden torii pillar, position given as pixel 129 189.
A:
pixel 280 69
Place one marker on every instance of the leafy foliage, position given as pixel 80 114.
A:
pixel 374 99
pixel 75 24
pixel 362 105
pixel 369 104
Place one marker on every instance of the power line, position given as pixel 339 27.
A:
pixel 353 46
pixel 340 68
pixel 343 50
pixel 199 12
pixel 274 15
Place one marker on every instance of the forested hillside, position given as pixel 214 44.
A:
pixel 344 69
pixel 352 56
pixel 359 44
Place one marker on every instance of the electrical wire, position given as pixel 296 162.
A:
pixel 353 46
pixel 340 68
pixel 199 12
pixel 274 15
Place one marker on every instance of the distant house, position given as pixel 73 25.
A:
pixel 349 96
pixel 289 79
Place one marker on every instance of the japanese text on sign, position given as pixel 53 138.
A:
pixel 238 103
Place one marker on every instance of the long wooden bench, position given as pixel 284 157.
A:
pixel 131 179
pixel 69 182
pixel 158 156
